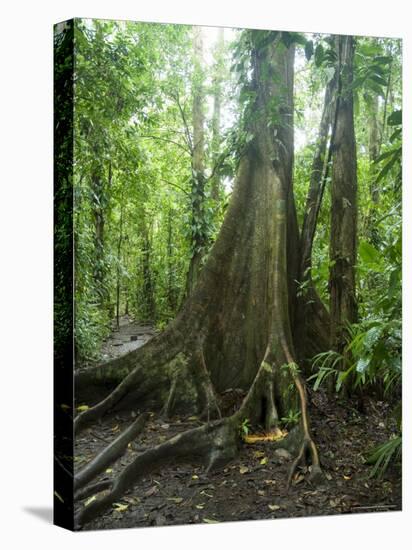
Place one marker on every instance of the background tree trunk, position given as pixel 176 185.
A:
pixel 199 237
pixel 343 307
pixel 217 100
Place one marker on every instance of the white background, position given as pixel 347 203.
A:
pixel 26 271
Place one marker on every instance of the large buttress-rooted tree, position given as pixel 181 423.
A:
pixel 236 328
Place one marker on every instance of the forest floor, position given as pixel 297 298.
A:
pixel 254 485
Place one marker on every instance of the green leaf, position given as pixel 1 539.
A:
pixel 362 364
pixel 369 255
pixel 383 59
pixel 378 79
pixel 319 55
pixel 309 49
pixel 372 336
pixel 395 118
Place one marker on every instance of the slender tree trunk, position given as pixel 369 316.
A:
pixel 343 307
pixel 99 207
pixel 199 234
pixel 118 270
pixel 385 106
pixel 374 146
pixel 171 285
pixel 312 312
pixel 98 218
pixel 147 294
pixel 318 175
pixel 217 101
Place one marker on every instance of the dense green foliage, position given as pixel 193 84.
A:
pixel 134 200
pixel 141 210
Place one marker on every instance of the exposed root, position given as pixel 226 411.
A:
pixel 307 445
pixel 93 489
pixel 109 454
pixel 94 413
pixel 135 381
pixel 271 413
pixel 214 444
pixel 211 401
pixel 168 407
pixel 217 442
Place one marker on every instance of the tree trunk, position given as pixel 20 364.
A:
pixel 197 194
pixel 99 208
pixel 172 291
pixel 118 269
pixel 318 174
pixel 343 308
pixel 231 304
pixel 148 304
pixel 217 101
pixel 313 320
pixel 98 219
pixel 374 147
pixel 236 329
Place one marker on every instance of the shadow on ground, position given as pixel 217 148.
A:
pixel 42 512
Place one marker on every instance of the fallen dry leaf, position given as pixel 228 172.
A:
pixel 119 507
pixel 273 507
pixel 272 436
pixel 151 491
pixel 258 454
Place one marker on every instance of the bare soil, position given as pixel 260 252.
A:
pixel 254 485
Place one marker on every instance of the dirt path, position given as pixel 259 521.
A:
pixel 130 336
pixel 253 486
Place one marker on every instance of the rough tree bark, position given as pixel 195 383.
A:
pixel 197 194
pixel 236 329
pixel 343 308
